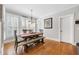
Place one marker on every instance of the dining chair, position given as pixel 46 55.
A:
pixel 18 42
pixel 41 30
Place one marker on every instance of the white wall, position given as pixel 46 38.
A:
pixel 54 32
pixel 0 36
pixel 51 33
pixel 0 27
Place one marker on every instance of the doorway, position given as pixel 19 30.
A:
pixel 67 29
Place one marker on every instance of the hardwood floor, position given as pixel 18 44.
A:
pixel 50 47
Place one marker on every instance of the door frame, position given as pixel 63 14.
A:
pixel 73 21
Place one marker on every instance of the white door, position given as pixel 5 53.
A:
pixel 67 29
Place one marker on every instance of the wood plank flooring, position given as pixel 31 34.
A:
pixel 50 47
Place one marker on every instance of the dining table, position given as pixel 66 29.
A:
pixel 34 38
pixel 32 35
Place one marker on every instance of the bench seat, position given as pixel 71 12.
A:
pixel 31 41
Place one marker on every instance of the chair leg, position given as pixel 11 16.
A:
pixel 22 50
pixel 15 49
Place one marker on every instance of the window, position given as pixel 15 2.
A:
pixel 22 23
pixel 11 23
pixel 15 22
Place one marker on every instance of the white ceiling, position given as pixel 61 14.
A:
pixel 39 10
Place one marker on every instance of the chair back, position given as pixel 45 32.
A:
pixel 30 30
pixel 15 35
pixel 24 31
pixel 41 30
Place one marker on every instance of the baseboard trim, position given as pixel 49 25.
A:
pixel 8 41
pixel 53 39
pixel 59 40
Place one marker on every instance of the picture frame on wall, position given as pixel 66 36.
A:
pixel 48 23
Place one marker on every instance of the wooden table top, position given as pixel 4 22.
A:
pixel 30 34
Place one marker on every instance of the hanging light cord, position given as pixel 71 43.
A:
pixel 31 15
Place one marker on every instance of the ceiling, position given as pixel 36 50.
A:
pixel 39 10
